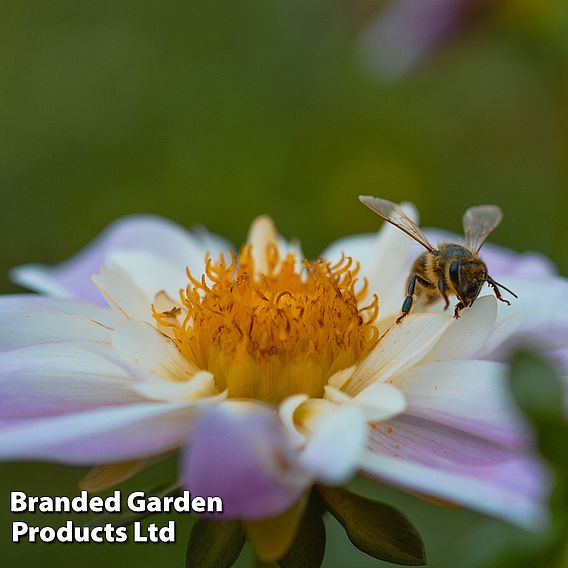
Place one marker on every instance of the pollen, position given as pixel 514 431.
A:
pixel 269 335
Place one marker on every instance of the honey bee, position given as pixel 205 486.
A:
pixel 451 268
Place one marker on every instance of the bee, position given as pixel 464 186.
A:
pixel 451 268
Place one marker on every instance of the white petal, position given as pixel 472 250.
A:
pixel 57 378
pixel 466 336
pixel 311 411
pixel 380 401
pixel 200 386
pixel 29 319
pixel 336 396
pixel 123 295
pixel 286 412
pixel 146 348
pixel 401 347
pixel 337 380
pixel 335 445
pixel 262 234
pixel 151 273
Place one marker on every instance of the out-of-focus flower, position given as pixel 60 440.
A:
pixel 405 33
pixel 270 372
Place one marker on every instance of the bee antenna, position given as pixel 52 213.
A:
pixel 491 281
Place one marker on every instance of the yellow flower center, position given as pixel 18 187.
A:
pixel 268 336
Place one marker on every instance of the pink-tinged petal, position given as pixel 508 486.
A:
pixel 442 462
pixel 503 262
pixel 103 435
pixel 466 336
pixel 473 396
pixel 58 378
pixel 384 259
pixel 398 350
pixel 433 444
pixel 29 319
pixel 335 445
pixel 537 316
pixel 243 455
pixel 156 235
pixel 500 260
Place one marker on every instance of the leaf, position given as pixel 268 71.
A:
pixel 308 548
pixel 130 518
pixel 375 528
pixel 214 544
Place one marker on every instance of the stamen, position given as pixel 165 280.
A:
pixel 268 336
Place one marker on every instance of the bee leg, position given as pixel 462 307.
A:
pixel 459 306
pixel 443 289
pixel 407 304
pixel 498 292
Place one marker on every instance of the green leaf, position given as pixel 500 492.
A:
pixel 128 519
pixel 375 528
pixel 214 544
pixel 308 548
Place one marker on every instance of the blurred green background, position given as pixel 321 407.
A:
pixel 212 113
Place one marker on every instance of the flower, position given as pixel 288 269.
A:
pixel 405 32
pixel 272 373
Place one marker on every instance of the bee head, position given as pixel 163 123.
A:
pixel 467 277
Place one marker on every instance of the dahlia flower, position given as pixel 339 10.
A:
pixel 271 373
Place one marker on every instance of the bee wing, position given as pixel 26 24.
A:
pixel 478 223
pixel 392 213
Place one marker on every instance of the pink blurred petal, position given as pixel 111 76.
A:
pixel 405 31
pixel 246 458
pixel 541 321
